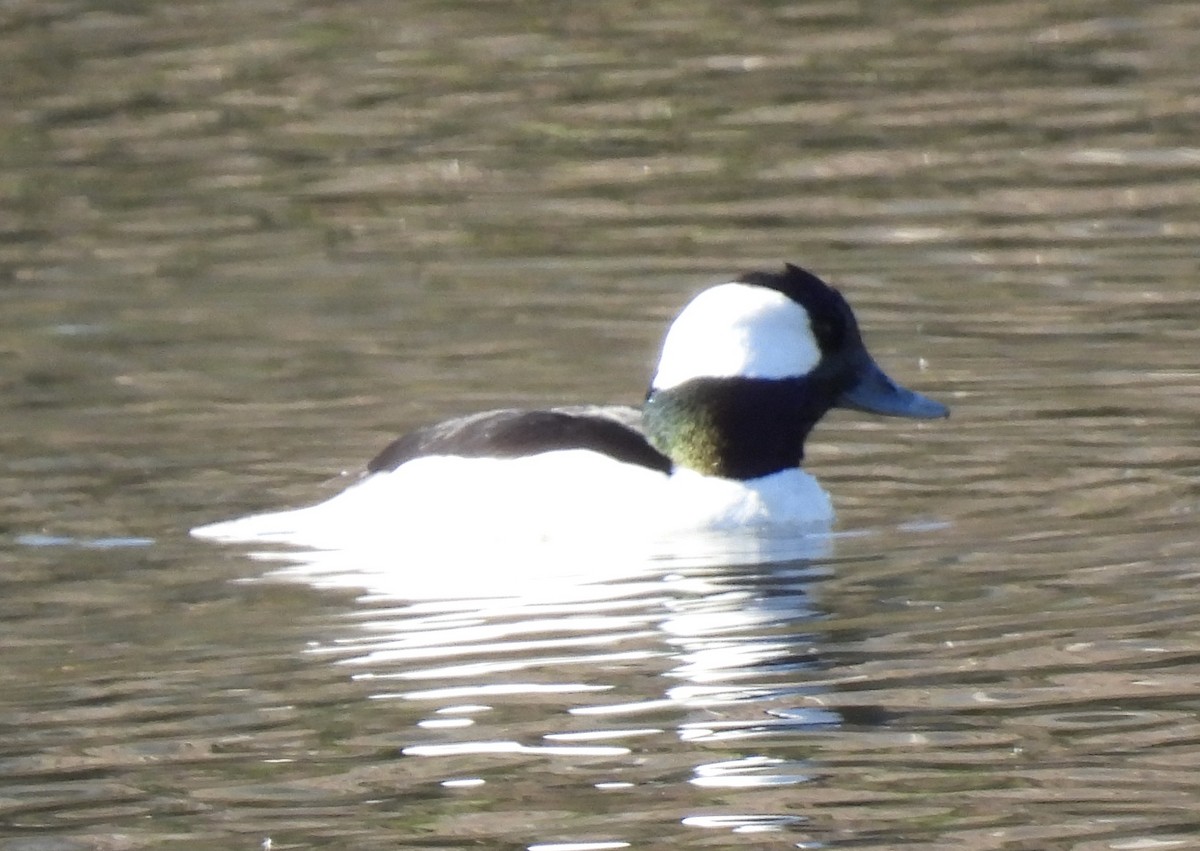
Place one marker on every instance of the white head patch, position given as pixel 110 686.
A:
pixel 734 330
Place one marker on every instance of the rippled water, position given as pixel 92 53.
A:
pixel 243 245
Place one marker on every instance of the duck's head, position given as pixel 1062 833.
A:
pixel 749 367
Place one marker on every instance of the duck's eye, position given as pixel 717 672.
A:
pixel 828 331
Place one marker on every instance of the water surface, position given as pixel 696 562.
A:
pixel 243 245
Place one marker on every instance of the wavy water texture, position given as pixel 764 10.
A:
pixel 242 245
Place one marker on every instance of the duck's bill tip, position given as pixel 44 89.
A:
pixel 876 393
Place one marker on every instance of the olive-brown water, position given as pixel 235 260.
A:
pixel 244 244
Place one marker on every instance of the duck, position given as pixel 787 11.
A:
pixel 746 371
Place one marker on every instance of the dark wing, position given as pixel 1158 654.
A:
pixel 613 431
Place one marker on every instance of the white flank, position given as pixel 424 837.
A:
pixel 738 330
pixel 437 499
pixel 571 505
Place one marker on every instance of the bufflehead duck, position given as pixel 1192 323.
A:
pixel 747 369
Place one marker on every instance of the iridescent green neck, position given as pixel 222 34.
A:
pixel 738 428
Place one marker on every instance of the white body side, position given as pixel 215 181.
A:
pixel 575 495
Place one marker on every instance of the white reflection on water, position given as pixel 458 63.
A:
pixel 510 747
pixel 750 771
pixel 604 659
pixel 745 823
